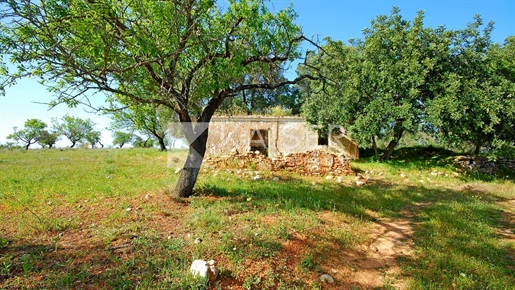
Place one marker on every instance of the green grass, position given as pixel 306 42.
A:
pixel 102 219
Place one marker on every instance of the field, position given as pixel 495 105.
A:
pixel 104 219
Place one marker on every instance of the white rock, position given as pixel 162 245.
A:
pixel 276 179
pixel 339 179
pixel 128 209
pixel 199 268
pixel 329 177
pixel 403 175
pixel 359 183
pixel 256 178
pixel 326 278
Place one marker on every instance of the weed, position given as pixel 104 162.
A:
pixel 309 262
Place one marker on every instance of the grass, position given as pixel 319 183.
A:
pixel 102 219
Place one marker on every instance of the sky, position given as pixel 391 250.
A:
pixel 338 19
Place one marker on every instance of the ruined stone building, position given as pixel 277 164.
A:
pixel 272 136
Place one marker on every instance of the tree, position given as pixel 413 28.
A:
pixel 47 138
pixel 74 128
pixel 261 101
pixel 477 103
pixel 122 138
pixel 149 119
pixel 377 86
pixel 30 134
pixel 186 55
pixel 93 137
pixel 139 142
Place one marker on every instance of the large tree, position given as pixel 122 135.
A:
pixel 30 134
pixel 377 86
pixel 477 100
pixel 73 128
pixel 188 55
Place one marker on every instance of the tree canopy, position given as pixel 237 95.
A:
pixel 32 132
pixel 404 77
pixel 477 99
pixel 73 128
pixel 187 55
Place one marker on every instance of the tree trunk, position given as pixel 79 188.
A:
pixel 189 173
pixel 161 143
pixel 397 134
pixel 27 147
pixel 73 144
pixel 375 146
pixel 101 144
pixel 50 146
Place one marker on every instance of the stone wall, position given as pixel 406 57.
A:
pixel 483 165
pixel 313 162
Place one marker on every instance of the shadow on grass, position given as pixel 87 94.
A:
pixel 429 158
pixel 144 263
pixel 456 232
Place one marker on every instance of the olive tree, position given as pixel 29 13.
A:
pixel 187 55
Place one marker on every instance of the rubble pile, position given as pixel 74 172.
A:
pixel 312 163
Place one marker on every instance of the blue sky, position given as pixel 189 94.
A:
pixel 339 19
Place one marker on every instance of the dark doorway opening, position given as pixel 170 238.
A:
pixel 322 138
pixel 259 141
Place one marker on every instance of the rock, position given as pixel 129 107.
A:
pixel 128 209
pixel 339 179
pixel 314 183
pixel 329 177
pixel 198 241
pixel 359 183
pixel 327 279
pixel 199 268
pixel 403 175
pixel 213 270
pixel 234 151
pixel 256 178
pixel 276 179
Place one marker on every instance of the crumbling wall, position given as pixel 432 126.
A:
pixel 343 144
pixel 285 134
pixel 313 162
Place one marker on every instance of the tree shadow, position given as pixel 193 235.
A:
pixel 453 225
